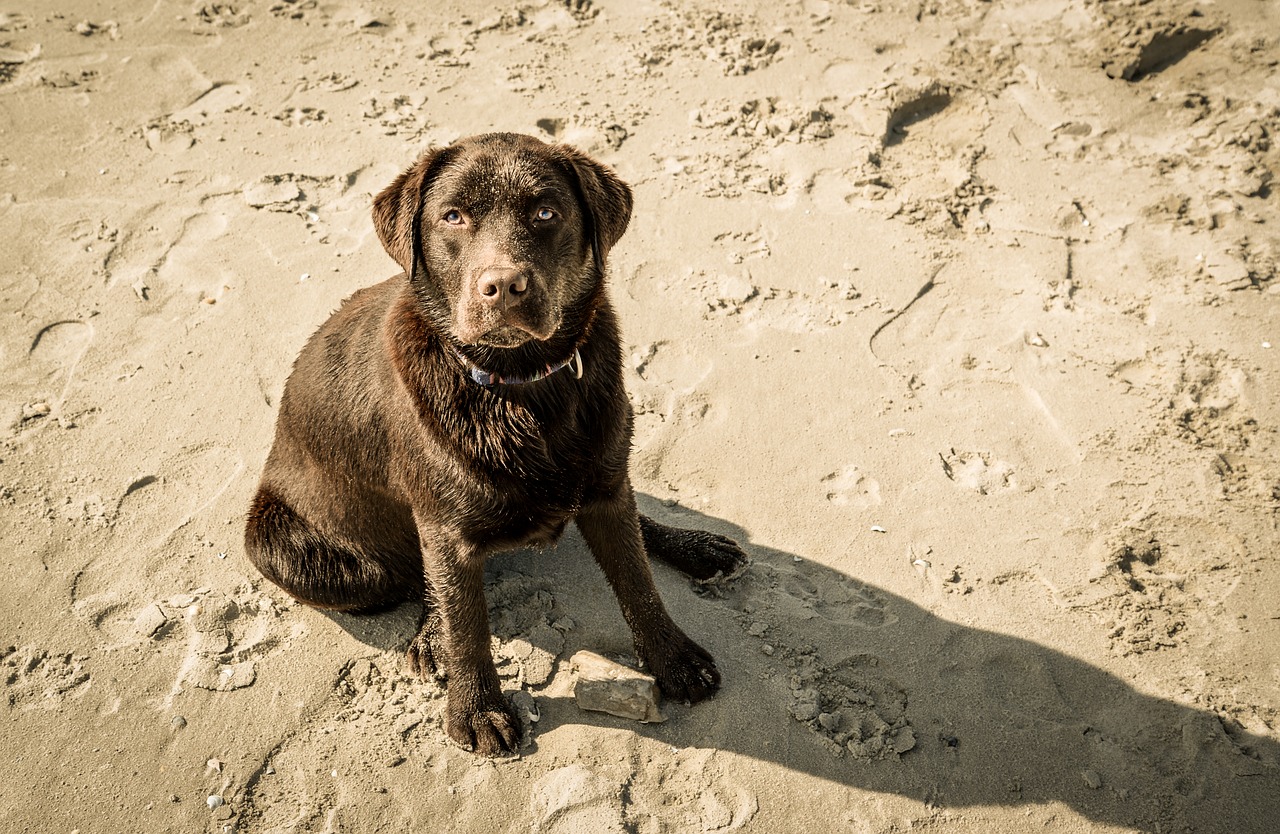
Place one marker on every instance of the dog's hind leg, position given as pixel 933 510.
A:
pixel 319 569
pixel 699 554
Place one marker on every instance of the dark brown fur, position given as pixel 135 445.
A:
pixel 394 475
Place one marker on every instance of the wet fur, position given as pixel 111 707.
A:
pixel 393 475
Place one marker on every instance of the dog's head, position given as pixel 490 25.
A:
pixel 504 235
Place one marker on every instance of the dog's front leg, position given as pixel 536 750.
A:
pixel 455 633
pixel 611 526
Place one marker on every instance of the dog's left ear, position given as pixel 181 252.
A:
pixel 606 198
pixel 398 209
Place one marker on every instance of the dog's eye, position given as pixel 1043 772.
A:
pixel 453 217
pixel 544 214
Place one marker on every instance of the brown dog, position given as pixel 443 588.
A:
pixel 472 404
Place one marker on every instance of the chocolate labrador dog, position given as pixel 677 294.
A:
pixel 472 404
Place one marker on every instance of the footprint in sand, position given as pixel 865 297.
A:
pixel 225 637
pixel 687 790
pixel 1160 584
pixel 840 600
pixel 849 486
pixel 859 710
pixel 49 372
pixel 301 116
pixel 220 638
pixel 775 599
pixel 576 798
pixel 156 504
pixel 667 401
pixel 978 471
pixel 36 679
pixel 1210 403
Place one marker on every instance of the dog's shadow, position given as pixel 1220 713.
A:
pixel 829 675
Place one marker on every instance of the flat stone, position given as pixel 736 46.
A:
pixel 149 620
pixel 606 686
pixel 218 677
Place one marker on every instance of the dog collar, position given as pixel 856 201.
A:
pixel 482 377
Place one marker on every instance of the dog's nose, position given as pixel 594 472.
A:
pixel 503 286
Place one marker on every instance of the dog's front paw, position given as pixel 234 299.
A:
pixel 492 730
pixel 685 671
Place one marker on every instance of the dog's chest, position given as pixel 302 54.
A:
pixel 530 468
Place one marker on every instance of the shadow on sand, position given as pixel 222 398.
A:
pixel 831 676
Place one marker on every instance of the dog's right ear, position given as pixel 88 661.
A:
pixel 398 209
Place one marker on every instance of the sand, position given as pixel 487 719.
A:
pixel 961 316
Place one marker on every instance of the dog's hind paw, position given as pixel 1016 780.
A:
pixel 702 555
pixel 423 655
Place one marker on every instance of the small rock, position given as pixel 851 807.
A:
pixel 149 620
pixel 209 674
pixel 394 761
pixel 214 801
pixel 905 740
pixel 605 686
pixel 1092 778
pixel 178 722
pixel 804 710
pixel 405 723
pixel 1228 272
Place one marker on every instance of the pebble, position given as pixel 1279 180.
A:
pixel 1092 778
pixel 178 722
pixel 214 802
pixel 606 686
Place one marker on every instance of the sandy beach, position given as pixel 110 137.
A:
pixel 961 316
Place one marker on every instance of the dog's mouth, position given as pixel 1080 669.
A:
pixel 506 336
pixel 509 331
